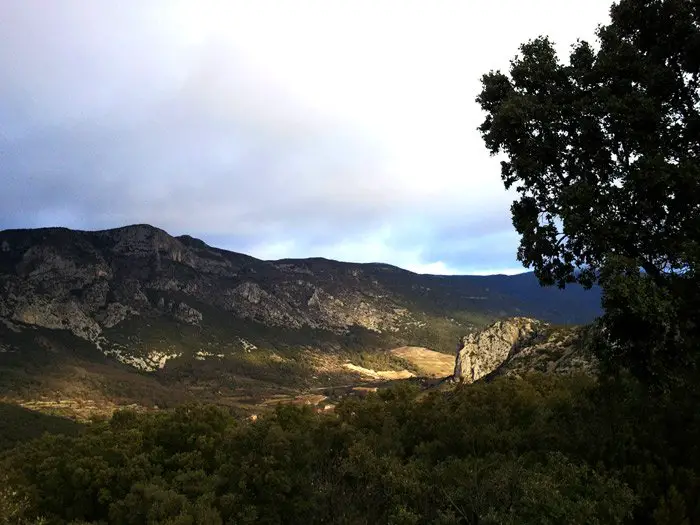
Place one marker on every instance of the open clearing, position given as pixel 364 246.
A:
pixel 378 374
pixel 428 362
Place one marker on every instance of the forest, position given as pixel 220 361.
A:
pixel 533 450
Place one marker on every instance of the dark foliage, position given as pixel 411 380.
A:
pixel 18 425
pixel 539 450
pixel 605 154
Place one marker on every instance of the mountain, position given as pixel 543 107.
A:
pixel 136 298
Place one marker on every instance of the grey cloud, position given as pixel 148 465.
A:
pixel 192 179
pixel 107 120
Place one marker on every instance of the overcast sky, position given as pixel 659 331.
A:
pixel 291 128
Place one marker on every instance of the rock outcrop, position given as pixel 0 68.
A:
pixel 483 352
pixel 519 345
pixel 187 314
pixel 113 314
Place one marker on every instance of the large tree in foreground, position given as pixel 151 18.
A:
pixel 604 152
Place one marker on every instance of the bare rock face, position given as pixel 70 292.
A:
pixel 353 309
pixel 251 292
pixel 114 314
pixel 519 345
pixel 58 315
pixel 485 351
pixel 94 296
pixel 187 314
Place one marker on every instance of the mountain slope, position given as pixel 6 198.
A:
pixel 90 282
pixel 139 297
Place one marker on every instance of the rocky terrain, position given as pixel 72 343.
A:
pixel 520 345
pixel 85 314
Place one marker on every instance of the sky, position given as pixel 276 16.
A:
pixel 343 129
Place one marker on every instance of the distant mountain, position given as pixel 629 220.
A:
pixel 139 296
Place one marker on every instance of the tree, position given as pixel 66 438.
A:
pixel 604 155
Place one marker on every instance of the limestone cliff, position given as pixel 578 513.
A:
pixel 518 345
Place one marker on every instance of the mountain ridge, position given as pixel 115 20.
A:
pixel 197 242
pixel 98 304
pixel 141 251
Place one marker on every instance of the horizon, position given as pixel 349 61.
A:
pixel 345 130
pixel 310 257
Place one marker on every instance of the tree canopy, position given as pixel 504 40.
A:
pixel 537 450
pixel 604 153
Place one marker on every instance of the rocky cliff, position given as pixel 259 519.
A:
pixel 518 345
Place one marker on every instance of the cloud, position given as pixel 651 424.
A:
pixel 339 129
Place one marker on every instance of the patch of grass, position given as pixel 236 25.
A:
pixel 382 361
pixel 428 363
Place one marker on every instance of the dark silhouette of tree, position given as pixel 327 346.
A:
pixel 604 154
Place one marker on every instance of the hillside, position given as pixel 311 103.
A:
pixel 133 314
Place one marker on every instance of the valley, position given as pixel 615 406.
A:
pixel 133 317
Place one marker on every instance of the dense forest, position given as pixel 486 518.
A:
pixel 534 450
